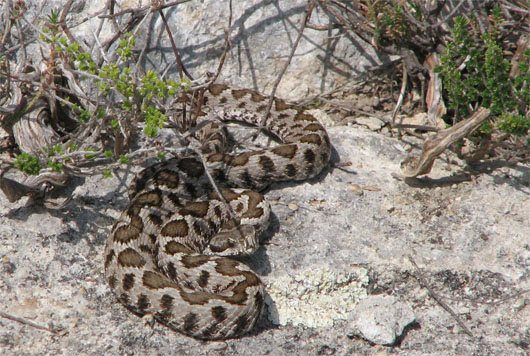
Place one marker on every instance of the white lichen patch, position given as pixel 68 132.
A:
pixel 316 297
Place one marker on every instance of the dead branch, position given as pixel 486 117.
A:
pixel 307 16
pixel 415 166
pixel 180 66
pixel 423 281
pixel 57 331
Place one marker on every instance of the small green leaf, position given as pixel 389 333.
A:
pixel 90 156
pixel 28 164
pixel 124 159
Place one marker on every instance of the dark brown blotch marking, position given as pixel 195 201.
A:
pixel 150 198
pixel 171 270
pixel 290 170
pixel 312 139
pixel 314 127
pixel 197 228
pixel 193 261
pixel 217 211
pixel 124 298
pixel 153 238
pixel 281 105
pixel 228 194
pixel 210 330
pixel 239 93
pixel 142 303
pixel 301 116
pixel 190 322
pixel 127 233
pixel 155 219
pixel 190 189
pixel 228 225
pixel 166 302
pixel 226 244
pixel 156 248
pixel 137 222
pixel 217 89
pixel 287 151
pixel 145 249
pixel 217 135
pixel 309 156
pixel 227 267
pixel 196 209
pixel 174 199
pixel 108 259
pixel 216 157
pixel 168 178
pixel 223 100
pixel 266 163
pixel 130 258
pixel 256 97
pixel 191 167
pixel 128 281
pixel 246 178
pixel 239 208
pixel 202 281
pixel 254 198
pixel 259 301
pixel 238 160
pixel 164 318
pixel 212 225
pixel 173 247
pixel 175 228
pixel 261 108
pixel 137 185
pixel 154 280
pixel 219 313
pixel 112 282
pixel 188 284
pixel 242 105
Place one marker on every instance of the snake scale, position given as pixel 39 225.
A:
pixel 171 251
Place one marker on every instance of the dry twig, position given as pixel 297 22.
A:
pixel 56 331
pixel 414 166
pixel 307 16
pixel 435 296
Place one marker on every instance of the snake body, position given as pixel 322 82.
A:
pixel 170 253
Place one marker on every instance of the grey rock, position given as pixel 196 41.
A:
pixel 372 123
pixel 381 319
pixel 469 236
pixel 262 37
pixel 472 253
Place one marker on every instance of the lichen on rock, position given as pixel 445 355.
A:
pixel 316 297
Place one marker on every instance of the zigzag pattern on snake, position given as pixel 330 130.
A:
pixel 169 252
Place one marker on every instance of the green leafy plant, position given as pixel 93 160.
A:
pixel 475 71
pixel 28 163
pixel 390 22
pixel 137 94
pixel 56 166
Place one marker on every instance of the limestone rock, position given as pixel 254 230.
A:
pixel 381 319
